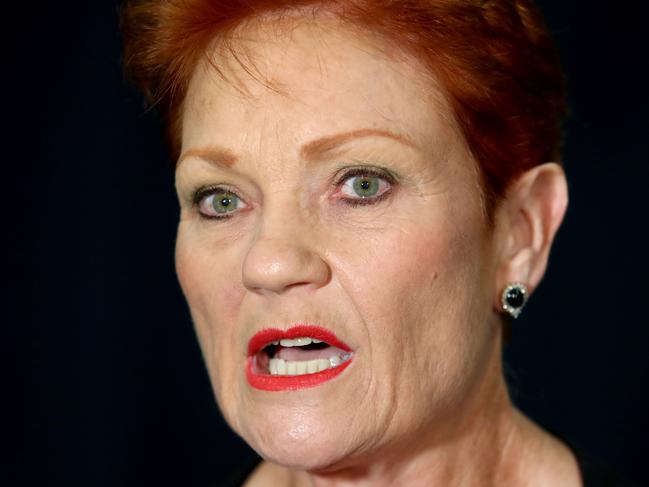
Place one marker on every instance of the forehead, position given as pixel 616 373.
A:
pixel 291 84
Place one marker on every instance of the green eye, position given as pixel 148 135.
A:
pixel 224 202
pixel 219 203
pixel 364 186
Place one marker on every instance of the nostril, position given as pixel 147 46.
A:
pixel 297 284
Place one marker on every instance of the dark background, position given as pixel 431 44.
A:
pixel 106 385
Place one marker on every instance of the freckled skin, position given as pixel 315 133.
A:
pixel 406 278
pixel 408 282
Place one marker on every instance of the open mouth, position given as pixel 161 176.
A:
pixel 302 356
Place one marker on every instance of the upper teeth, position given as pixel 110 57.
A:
pixel 278 366
pixel 296 342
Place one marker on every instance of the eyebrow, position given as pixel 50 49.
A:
pixel 311 151
pixel 214 155
pixel 318 148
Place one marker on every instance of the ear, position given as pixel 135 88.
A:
pixel 526 223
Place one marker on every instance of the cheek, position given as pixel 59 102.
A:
pixel 414 272
pixel 209 273
pixel 213 296
pixel 418 304
pixel 448 328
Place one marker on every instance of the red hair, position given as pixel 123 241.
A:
pixel 494 59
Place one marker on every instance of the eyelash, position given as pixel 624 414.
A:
pixel 354 202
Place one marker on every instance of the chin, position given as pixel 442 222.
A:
pixel 308 455
pixel 299 438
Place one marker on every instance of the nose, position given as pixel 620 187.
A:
pixel 279 261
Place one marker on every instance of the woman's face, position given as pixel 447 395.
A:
pixel 347 201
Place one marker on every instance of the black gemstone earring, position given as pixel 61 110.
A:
pixel 513 298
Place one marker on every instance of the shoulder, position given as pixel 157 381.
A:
pixel 560 461
pixel 595 474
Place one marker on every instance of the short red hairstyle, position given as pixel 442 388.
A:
pixel 494 59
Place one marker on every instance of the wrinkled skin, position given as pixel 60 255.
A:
pixel 410 281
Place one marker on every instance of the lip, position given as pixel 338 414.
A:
pixel 269 382
pixel 264 337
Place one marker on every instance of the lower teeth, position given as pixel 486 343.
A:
pixel 278 366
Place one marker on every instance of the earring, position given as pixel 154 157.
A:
pixel 513 298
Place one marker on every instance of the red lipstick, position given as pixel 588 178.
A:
pixel 260 378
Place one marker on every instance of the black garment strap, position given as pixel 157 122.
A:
pixel 240 472
pixel 595 474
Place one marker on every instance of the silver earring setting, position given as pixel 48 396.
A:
pixel 513 298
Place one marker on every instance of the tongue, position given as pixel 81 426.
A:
pixel 300 354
